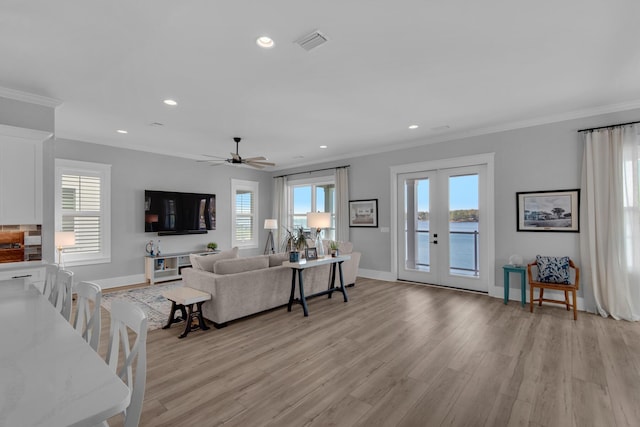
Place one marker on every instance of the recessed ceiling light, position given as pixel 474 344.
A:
pixel 170 102
pixel 414 127
pixel 265 42
pixel 323 146
pixel 122 131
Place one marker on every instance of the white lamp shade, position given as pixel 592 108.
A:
pixel 319 220
pixel 270 224
pixel 65 239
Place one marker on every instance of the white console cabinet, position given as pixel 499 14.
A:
pixel 164 267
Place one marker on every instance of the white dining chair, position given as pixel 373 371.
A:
pixel 61 293
pixel 50 274
pixel 87 314
pixel 124 316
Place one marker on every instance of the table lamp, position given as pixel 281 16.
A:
pixel 270 224
pixel 64 239
pixel 319 220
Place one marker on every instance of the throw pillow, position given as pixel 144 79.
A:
pixel 553 269
pixel 239 265
pixel 206 262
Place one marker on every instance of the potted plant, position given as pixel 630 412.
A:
pixel 334 247
pixel 212 246
pixel 295 242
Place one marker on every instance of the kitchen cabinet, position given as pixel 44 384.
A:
pixel 20 176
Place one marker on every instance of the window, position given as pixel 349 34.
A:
pixel 83 203
pixel 244 213
pixel 316 195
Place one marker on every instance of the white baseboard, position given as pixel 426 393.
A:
pixel 494 291
pixel 375 274
pixel 116 282
pixel 514 295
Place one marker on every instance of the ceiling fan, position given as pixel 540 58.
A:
pixel 254 162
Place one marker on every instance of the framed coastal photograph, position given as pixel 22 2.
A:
pixel 363 213
pixel 549 211
pixel 310 254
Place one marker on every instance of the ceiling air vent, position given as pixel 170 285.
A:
pixel 311 41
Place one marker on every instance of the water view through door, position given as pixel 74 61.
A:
pixel 440 227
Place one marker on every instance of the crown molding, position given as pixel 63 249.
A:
pixel 31 98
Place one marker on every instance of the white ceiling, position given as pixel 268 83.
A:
pixel 468 65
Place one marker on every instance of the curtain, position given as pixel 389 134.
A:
pixel 610 236
pixel 342 204
pixel 280 209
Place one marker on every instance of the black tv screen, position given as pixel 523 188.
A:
pixel 170 212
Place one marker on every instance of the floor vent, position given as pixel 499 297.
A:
pixel 311 41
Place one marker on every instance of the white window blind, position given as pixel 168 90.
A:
pixel 81 211
pixel 244 213
pixel 83 206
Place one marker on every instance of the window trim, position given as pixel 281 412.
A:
pixel 244 185
pixel 75 167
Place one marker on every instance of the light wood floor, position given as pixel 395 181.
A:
pixel 397 355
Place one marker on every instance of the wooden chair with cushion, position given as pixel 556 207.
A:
pixel 554 273
pixel 87 316
pixel 126 316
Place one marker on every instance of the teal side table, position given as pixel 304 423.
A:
pixel 523 281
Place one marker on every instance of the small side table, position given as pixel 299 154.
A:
pixel 186 297
pixel 523 281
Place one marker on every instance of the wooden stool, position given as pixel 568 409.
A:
pixel 186 297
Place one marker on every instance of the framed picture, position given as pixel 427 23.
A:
pixel 363 213
pixel 310 254
pixel 549 211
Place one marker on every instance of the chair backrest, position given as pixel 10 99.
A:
pixel 51 272
pixel 87 316
pixel 61 293
pixel 573 278
pixel 127 315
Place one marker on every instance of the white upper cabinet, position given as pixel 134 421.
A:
pixel 21 175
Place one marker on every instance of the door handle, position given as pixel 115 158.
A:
pixel 435 239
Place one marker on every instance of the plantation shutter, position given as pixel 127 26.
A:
pixel 245 200
pixel 81 211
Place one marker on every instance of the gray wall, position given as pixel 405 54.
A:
pixel 131 173
pixel 545 157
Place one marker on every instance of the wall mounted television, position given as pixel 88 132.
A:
pixel 170 212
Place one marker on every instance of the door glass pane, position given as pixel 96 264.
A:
pixel 463 225
pixel 422 228
pixel 416 224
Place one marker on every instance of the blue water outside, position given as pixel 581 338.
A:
pixel 461 246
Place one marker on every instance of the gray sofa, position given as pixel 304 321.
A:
pixel 241 287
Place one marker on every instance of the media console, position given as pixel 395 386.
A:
pixel 164 267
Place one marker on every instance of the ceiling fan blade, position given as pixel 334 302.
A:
pixel 213 157
pixel 255 165
pixel 251 159
pixel 260 163
pixel 235 156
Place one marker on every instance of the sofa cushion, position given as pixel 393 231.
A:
pixel 206 262
pixel 239 265
pixel 553 269
pixel 276 260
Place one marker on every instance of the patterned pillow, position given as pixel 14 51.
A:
pixel 553 269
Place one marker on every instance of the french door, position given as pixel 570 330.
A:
pixel 442 233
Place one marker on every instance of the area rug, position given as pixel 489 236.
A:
pixel 149 299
